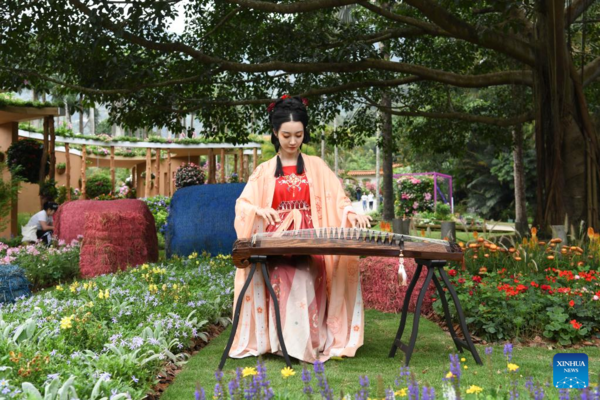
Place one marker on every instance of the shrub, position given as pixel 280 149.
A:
pixel 443 212
pixel 234 178
pixel 189 175
pixel 62 194
pixel 24 159
pixel 159 207
pixel 61 165
pixel 9 192
pixel 48 190
pixel 98 185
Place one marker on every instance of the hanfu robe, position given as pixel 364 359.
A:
pixel 319 297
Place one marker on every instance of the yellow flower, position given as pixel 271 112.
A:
pixel 59 288
pixel 100 294
pixel 174 286
pixel 463 359
pixel 85 286
pixel 249 371
pixel 287 372
pixel 90 304
pixel 66 322
pixel 474 389
pixel 466 367
pixel 401 392
pixel 512 367
pixel 164 286
pixel 449 375
pixel 106 294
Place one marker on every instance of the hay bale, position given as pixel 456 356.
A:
pixel 381 291
pixel 13 284
pixel 116 233
pixel 112 242
pixel 201 219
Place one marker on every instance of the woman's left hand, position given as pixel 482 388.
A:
pixel 360 221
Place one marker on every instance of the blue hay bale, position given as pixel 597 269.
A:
pixel 13 284
pixel 201 219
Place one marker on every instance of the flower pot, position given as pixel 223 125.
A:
pixel 60 171
pixel 449 230
pixel 401 226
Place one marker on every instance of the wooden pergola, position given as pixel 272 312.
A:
pixel 10 116
pixel 241 154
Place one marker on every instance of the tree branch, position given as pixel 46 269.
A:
pixel 499 78
pixel 591 71
pixel 291 8
pixel 577 8
pixel 385 35
pixel 481 119
pixel 505 44
pixel 225 19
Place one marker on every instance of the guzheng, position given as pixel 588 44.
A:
pixel 340 241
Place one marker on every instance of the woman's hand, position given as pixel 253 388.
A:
pixel 360 221
pixel 269 215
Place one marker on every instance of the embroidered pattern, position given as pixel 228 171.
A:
pixel 294 182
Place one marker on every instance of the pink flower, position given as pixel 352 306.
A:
pixel 405 196
pixel 596 298
pixel 427 196
pixel 415 181
pixel 415 205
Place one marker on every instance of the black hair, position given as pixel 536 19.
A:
pixel 50 205
pixel 288 110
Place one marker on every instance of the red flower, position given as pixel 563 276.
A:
pixel 470 293
pixel 452 272
pixel 461 280
pixel 285 96
pixel 477 279
pixel 571 303
pixel 534 284
pixel 575 324
pixel 545 287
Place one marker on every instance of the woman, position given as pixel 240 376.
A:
pixel 319 296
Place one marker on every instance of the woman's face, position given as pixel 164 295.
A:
pixel 290 135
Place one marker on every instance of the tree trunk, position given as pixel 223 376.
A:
pixel 519 178
pixel 388 147
pixel 92 121
pixel 566 143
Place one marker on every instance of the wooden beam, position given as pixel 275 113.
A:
pixel 14 207
pixel 68 172
pixel 254 159
pixel 157 172
pixel 83 165
pixel 52 148
pixel 148 172
pixel 246 166
pixel 235 163
pixel 169 178
pixel 211 166
pixel 222 161
pixel 112 168
pixel 241 157
pixel 42 174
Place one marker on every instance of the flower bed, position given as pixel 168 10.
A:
pixel 110 336
pixel 561 305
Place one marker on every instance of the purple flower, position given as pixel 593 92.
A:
pixel 488 350
pixel 508 349
pixel 199 394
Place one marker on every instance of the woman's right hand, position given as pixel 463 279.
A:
pixel 269 215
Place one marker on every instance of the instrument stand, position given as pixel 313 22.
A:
pixel 238 309
pixel 432 267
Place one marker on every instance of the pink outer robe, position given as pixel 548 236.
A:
pixel 344 317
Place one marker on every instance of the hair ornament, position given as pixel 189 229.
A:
pixel 285 96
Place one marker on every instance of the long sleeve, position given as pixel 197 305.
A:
pixel 247 205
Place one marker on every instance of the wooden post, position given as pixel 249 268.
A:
pixel 222 160
pixel 42 174
pixel 148 172
pixel 254 159
pixel 170 183
pixel 83 165
pixel 14 207
pixel 211 166
pixel 235 167
pixel 52 148
pixel 246 166
pixel 112 168
pixel 241 171
pixel 157 172
pixel 68 172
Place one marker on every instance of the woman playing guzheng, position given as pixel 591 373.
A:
pixel 319 296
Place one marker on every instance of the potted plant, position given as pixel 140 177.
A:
pixel 61 168
pixel 443 213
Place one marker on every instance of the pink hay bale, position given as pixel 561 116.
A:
pixel 380 288
pixel 70 221
pixel 112 242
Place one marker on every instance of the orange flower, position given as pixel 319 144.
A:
pixel 550 257
pixel 475 234
pixel 259 310
pixel 248 298
pixel 571 303
pixel 356 328
pixel 591 232
pixel 533 231
pixel 575 324
pixel 518 258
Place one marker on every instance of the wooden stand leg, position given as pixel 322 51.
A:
pixel 447 315
pixel 277 314
pixel 404 315
pixel 461 317
pixel 236 315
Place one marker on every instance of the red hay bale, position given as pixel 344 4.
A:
pixel 116 233
pixel 112 241
pixel 380 288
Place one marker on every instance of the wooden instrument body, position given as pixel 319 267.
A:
pixel 345 244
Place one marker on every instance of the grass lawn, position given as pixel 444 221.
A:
pixel 430 362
